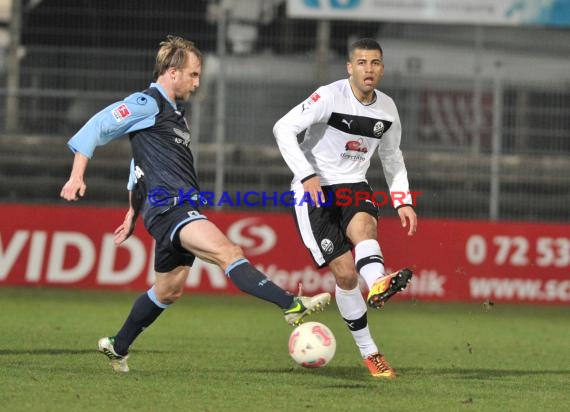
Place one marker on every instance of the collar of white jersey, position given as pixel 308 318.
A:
pixel 355 98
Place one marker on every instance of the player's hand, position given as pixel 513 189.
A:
pixel 73 189
pixel 408 218
pixel 125 230
pixel 313 187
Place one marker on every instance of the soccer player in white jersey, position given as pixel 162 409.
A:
pixel 345 122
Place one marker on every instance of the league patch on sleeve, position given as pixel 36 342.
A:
pixel 312 99
pixel 120 113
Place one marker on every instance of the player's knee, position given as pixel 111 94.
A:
pixel 233 253
pixel 175 295
pixel 169 294
pixel 347 280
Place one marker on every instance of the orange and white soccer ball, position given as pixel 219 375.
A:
pixel 312 345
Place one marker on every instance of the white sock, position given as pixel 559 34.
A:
pixel 369 261
pixel 365 342
pixel 352 306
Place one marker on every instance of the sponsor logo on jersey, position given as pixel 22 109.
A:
pixel 120 113
pixel 348 156
pixel 183 137
pixel 356 146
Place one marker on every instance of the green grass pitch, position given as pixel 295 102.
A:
pixel 219 353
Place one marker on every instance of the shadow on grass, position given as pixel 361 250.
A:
pixel 480 373
pixel 359 373
pixel 7 352
pixel 341 372
pixel 56 352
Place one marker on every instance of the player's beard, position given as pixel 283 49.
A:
pixel 184 97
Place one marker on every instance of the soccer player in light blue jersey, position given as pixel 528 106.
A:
pixel 163 166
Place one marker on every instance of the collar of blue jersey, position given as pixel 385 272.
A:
pixel 163 92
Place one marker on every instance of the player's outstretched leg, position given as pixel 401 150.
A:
pixel 379 367
pixel 250 280
pixel 387 286
pixel 303 306
pixel 118 362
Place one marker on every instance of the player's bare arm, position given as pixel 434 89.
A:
pixel 312 186
pixel 409 219
pixel 126 229
pixel 75 187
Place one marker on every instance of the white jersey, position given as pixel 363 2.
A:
pixel 341 137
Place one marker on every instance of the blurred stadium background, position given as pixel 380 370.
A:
pixel 485 109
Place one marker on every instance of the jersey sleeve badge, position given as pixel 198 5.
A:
pixel 120 113
pixel 312 99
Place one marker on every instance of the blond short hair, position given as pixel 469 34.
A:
pixel 173 52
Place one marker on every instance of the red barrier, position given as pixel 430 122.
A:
pixel 453 260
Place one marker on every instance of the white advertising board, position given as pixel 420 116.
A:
pixel 477 12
